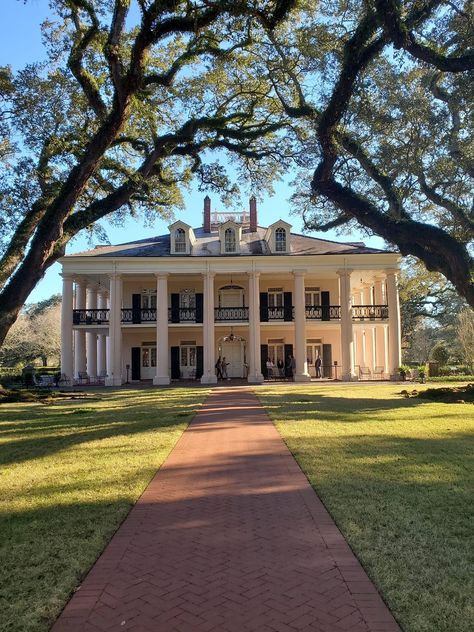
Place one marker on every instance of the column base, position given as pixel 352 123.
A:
pixel 303 377
pixel 113 381
pixel 161 380
pixel 349 378
pixel 209 379
pixel 255 379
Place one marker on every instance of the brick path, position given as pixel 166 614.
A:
pixel 228 537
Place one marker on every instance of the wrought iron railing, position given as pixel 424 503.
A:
pixel 231 313
pixel 188 314
pixel 90 316
pixel 369 312
pixel 182 314
pixel 323 312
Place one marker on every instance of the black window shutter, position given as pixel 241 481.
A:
pixel 136 308
pixel 263 307
pixel 287 306
pixel 199 307
pixel 175 308
pixel 327 360
pixel 263 359
pixel 136 363
pixel 288 352
pixel 199 361
pixel 325 302
pixel 175 373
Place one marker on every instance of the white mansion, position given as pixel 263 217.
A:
pixel 167 307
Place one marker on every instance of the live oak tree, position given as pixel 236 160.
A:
pixel 382 95
pixel 122 114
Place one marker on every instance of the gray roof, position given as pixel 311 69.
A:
pixel 208 245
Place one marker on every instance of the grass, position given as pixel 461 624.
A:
pixel 69 474
pixel 397 476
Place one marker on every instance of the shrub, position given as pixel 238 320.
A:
pixel 439 353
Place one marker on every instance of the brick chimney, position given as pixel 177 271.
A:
pixel 207 214
pixel 253 214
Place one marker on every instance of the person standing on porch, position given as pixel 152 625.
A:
pixel 224 366
pixel 293 366
pixel 219 368
pixel 317 365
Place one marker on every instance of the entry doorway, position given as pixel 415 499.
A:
pixel 234 353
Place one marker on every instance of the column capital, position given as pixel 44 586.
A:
pixel 391 271
pixel 300 272
pixel 162 275
pixel 344 272
pixel 67 276
pixel 254 274
pixel 208 274
pixel 115 275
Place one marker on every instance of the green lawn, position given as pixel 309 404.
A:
pixel 397 476
pixel 69 474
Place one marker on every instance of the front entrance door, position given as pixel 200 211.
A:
pixel 234 356
pixel 148 368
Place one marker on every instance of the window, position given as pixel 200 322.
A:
pixel 314 349
pixel 187 298
pixel 312 297
pixel 280 240
pixel 275 297
pixel 229 240
pixel 148 357
pixel 180 240
pixel 149 300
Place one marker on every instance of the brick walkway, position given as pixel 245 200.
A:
pixel 229 536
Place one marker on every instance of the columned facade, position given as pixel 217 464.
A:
pixel 255 375
pixel 114 376
pixel 67 365
pixel 91 336
pixel 209 373
pixel 162 367
pixel 272 303
pixel 80 336
pixel 394 332
pixel 347 336
pixel 102 339
pixel 301 374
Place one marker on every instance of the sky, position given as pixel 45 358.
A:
pixel 20 44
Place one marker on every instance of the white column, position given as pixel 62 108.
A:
pixel 101 339
pixel 114 377
pixel 66 327
pixel 394 333
pixel 209 360
pixel 255 375
pixel 347 339
pixel 80 335
pixel 91 336
pixel 380 355
pixel 301 374
pixel 162 366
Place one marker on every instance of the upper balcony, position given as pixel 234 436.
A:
pixel 188 315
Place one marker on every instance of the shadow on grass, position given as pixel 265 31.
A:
pixel 51 429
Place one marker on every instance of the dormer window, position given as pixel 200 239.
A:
pixel 179 240
pixel 229 239
pixel 278 237
pixel 230 234
pixel 182 238
pixel 280 240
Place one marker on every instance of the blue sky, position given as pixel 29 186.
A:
pixel 20 44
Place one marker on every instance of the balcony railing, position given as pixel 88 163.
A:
pixel 231 313
pixel 236 314
pixel 90 316
pixel 369 312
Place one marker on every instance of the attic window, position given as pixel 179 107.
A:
pixel 180 240
pixel 280 240
pixel 229 240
